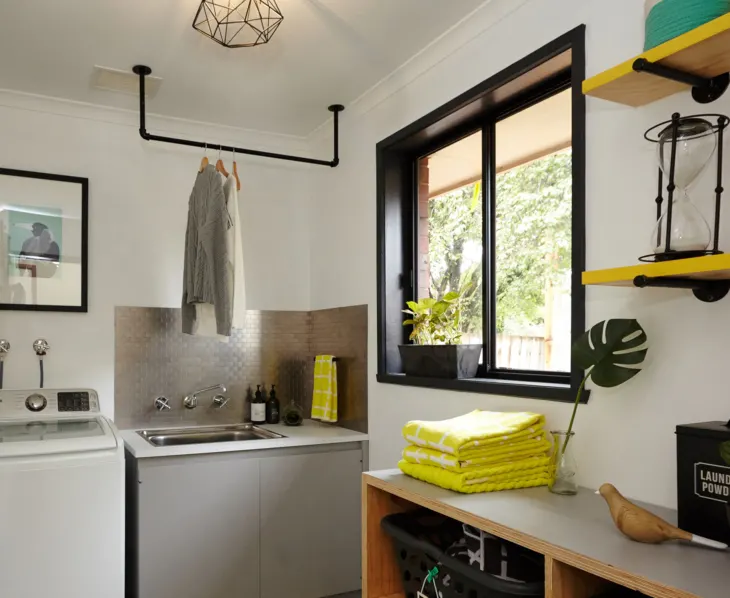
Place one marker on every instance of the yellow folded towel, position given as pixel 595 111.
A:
pixel 476 429
pixel 488 448
pixel 527 473
pixel 537 447
pixel 324 401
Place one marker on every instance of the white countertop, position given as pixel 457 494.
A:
pixel 310 433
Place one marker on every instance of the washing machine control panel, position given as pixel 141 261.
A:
pixel 73 401
pixel 31 403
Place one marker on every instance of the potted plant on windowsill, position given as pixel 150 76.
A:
pixel 437 352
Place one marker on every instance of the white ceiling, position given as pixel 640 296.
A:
pixel 325 52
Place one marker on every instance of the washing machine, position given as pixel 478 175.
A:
pixel 61 496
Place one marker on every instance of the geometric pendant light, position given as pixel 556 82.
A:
pixel 238 23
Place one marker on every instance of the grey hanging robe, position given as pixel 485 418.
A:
pixel 206 276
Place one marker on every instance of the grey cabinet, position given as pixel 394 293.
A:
pixel 198 526
pixel 280 523
pixel 310 523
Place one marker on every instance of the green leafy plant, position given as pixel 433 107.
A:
pixel 610 353
pixel 435 322
pixel 725 451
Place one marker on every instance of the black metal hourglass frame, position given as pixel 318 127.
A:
pixel 706 290
pixel 654 135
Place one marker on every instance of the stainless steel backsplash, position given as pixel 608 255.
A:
pixel 153 358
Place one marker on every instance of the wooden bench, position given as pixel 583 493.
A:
pixel 582 548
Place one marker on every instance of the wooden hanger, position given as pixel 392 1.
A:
pixel 235 172
pixel 219 166
pixel 204 161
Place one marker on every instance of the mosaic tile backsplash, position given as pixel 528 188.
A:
pixel 153 358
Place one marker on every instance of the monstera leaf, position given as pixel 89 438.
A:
pixel 611 352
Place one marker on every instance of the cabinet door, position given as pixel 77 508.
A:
pixel 199 527
pixel 310 524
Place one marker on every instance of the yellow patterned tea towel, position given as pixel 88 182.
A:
pixel 521 474
pixel 473 430
pixel 324 400
pixel 537 447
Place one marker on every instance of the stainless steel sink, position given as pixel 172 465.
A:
pixel 206 434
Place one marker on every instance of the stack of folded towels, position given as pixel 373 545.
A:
pixel 481 451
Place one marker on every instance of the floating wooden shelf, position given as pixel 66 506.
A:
pixel 704 51
pixel 711 267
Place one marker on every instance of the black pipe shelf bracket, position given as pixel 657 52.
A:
pixel 143 71
pixel 704 89
pixel 707 291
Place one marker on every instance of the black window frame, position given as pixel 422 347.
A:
pixel 558 66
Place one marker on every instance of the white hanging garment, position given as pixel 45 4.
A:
pixel 205 323
pixel 239 282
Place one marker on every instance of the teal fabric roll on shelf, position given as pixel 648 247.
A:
pixel 667 19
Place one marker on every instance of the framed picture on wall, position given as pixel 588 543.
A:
pixel 43 241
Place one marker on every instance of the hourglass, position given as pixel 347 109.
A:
pixel 685 147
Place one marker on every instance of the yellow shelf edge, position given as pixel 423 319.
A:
pixel 667 49
pixel 687 267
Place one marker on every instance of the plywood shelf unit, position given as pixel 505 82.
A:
pixel 707 268
pixel 704 52
pixel 583 551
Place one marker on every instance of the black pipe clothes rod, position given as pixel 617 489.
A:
pixel 144 71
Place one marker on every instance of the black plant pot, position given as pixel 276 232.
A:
pixel 440 361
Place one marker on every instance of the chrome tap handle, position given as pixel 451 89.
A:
pixel 220 401
pixel 41 347
pixel 162 404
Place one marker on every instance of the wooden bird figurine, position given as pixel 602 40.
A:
pixel 642 526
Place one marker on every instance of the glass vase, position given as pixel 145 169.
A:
pixel 563 468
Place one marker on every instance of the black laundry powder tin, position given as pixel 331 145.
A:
pixel 703 479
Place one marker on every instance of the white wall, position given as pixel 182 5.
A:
pixel 138 209
pixel 625 435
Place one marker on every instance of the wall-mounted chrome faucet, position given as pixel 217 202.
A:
pixel 41 348
pixel 4 350
pixel 191 401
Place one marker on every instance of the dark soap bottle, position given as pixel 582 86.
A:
pixel 272 407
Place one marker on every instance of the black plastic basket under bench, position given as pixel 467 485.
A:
pixel 424 540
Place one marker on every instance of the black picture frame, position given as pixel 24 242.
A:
pixel 83 305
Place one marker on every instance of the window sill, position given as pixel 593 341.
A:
pixel 529 390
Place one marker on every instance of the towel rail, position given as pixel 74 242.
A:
pixel 143 71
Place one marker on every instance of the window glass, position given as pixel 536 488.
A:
pixel 533 237
pixel 450 240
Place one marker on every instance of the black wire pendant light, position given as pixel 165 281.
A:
pixel 238 23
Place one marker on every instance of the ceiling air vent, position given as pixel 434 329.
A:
pixel 127 82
